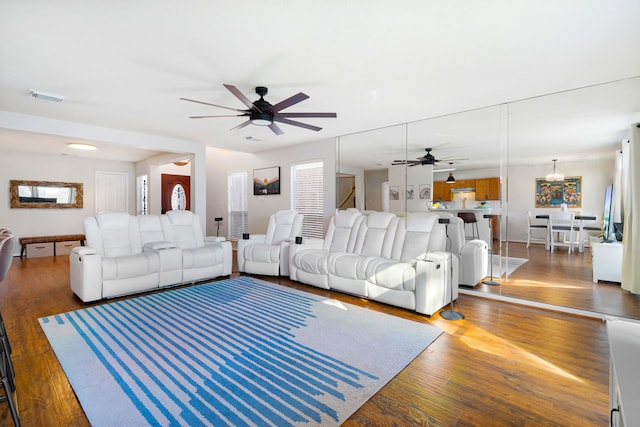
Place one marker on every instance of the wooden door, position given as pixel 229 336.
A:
pixel 176 192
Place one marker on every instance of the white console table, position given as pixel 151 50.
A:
pixel 606 261
pixel 624 372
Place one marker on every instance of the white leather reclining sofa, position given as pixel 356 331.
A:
pixel 395 260
pixel 125 254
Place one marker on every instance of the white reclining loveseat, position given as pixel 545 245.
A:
pixel 395 260
pixel 126 254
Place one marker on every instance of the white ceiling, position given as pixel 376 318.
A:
pixel 374 63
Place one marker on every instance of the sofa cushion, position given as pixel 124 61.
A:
pixel 113 234
pixel 202 257
pixel 126 267
pixel 312 261
pixel 376 234
pixel 261 252
pixel 413 236
pixel 349 266
pixel 283 225
pixel 343 231
pixel 150 229
pixel 392 274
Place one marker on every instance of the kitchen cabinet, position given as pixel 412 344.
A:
pixel 441 191
pixel 487 189
pixel 463 183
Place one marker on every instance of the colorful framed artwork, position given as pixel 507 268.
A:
pixel 266 181
pixel 552 194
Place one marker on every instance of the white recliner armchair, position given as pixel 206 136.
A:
pixel 202 257
pixel 268 254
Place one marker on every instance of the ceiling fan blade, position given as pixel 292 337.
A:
pixel 213 105
pixel 294 123
pixel 276 129
pixel 236 92
pixel 406 162
pixel 328 115
pixel 228 115
pixel 447 159
pixel 241 125
pixel 298 97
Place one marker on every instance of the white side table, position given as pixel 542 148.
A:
pixel 607 261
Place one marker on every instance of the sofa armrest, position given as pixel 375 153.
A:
pixel 155 246
pixel 436 272
pixel 84 250
pixel 85 273
pixel 311 243
pixel 294 248
pixel 214 239
pixel 225 245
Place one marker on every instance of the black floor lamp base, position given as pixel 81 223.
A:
pixel 491 283
pixel 451 315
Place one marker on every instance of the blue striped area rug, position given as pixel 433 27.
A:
pixel 239 352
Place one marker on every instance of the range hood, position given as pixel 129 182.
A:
pixel 463 190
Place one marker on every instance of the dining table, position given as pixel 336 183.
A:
pixel 580 227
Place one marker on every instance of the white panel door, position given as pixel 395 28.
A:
pixel 111 192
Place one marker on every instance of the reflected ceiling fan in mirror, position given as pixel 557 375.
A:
pixel 427 159
pixel 262 113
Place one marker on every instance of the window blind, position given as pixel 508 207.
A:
pixel 307 196
pixel 238 204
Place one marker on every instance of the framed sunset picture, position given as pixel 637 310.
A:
pixel 266 181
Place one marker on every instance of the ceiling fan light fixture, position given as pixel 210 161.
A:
pixel 555 176
pixel 261 119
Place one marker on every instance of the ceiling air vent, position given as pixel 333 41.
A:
pixel 45 96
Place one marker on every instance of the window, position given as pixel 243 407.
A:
pixel 142 195
pixel 238 206
pixel 307 196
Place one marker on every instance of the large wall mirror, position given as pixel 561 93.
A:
pixel 514 142
pixel 45 194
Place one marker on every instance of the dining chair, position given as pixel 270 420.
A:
pixel 534 226
pixel 562 230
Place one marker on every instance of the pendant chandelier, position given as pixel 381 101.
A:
pixel 451 179
pixel 555 175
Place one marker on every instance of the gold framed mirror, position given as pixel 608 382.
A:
pixel 45 195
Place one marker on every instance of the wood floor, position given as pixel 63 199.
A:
pixel 503 365
pixel 562 279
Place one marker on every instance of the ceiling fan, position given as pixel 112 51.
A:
pixel 427 159
pixel 262 113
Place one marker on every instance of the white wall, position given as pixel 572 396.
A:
pixel 19 165
pixel 195 150
pixel 221 163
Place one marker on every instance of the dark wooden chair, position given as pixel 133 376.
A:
pixel 470 218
